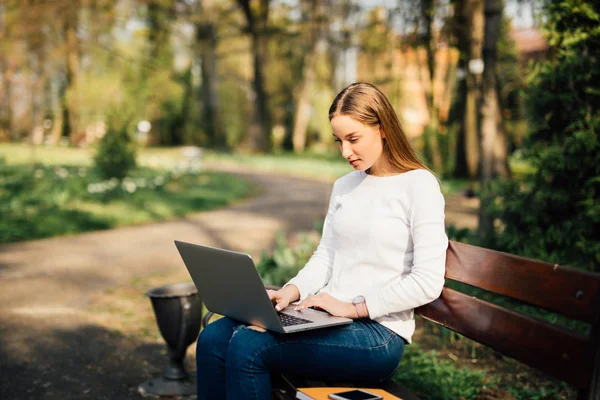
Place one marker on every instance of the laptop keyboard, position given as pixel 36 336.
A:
pixel 289 320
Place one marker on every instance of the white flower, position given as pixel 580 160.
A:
pixel 61 172
pixel 112 183
pixel 129 186
pixel 94 188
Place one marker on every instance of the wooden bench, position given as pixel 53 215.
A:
pixel 567 355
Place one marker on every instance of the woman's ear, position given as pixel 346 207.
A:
pixel 381 132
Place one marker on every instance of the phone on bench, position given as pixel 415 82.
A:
pixel 355 394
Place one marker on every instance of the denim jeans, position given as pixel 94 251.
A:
pixel 234 361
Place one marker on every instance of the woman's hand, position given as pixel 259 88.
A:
pixel 333 306
pixel 283 297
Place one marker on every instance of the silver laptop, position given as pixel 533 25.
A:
pixel 230 285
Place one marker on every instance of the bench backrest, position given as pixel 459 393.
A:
pixel 569 356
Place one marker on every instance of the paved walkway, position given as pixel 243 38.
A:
pixel 51 347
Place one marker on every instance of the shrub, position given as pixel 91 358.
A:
pixel 116 154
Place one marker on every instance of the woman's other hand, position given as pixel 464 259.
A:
pixel 326 302
pixel 283 297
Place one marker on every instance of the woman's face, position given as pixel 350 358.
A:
pixel 361 145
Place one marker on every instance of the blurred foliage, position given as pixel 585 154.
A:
pixel 286 259
pixel 554 213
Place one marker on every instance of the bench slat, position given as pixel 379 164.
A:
pixel 570 292
pixel 566 355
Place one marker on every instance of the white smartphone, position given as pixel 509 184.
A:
pixel 355 394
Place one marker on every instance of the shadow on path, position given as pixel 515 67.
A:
pixel 86 362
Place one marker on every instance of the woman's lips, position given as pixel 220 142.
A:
pixel 354 162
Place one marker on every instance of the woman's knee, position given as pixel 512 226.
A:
pixel 216 335
pixel 247 345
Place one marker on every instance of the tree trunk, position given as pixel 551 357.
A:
pixel 206 35
pixel 431 45
pixel 489 112
pixel 309 75
pixel 6 101
pixel 160 14
pixel 473 80
pixel 302 116
pixel 6 73
pixel 460 34
pixel 258 137
pixel 70 112
pixel 501 167
pixel 159 32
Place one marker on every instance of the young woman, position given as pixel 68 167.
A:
pixel 382 254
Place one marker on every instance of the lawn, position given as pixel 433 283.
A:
pixel 327 167
pixel 61 193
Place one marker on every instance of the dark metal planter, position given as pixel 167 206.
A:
pixel 178 310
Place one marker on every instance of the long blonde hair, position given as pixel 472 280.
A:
pixel 366 104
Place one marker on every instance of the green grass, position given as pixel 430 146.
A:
pixel 44 201
pixel 326 167
pixel 432 377
pixel 323 167
pixel 19 153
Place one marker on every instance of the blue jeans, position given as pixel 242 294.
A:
pixel 234 361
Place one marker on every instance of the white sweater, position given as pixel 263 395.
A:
pixel 383 238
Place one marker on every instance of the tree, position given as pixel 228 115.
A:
pixel 315 32
pixel 258 137
pixel 509 82
pixel 70 20
pixel 469 32
pixel 554 213
pixel 205 20
pixel 6 70
pixel 166 115
pixel 490 112
pixel 430 41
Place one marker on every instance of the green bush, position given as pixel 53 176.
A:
pixel 116 154
pixel 554 213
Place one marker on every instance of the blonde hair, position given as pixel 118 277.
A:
pixel 366 104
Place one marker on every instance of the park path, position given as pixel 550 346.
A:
pixel 50 345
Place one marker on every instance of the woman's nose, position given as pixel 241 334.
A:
pixel 346 151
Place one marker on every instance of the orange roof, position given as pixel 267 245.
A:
pixel 529 40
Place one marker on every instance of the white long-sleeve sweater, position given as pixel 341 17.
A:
pixel 383 238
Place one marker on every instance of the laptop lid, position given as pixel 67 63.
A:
pixel 230 285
